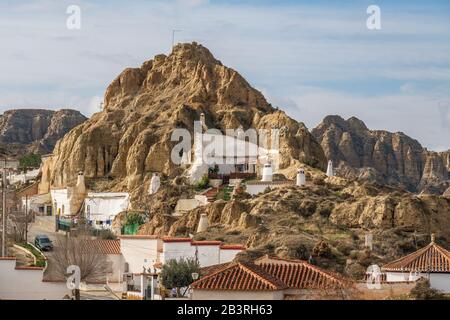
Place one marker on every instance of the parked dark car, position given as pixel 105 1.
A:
pixel 42 242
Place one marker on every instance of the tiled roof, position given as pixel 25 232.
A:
pixel 232 247
pixel 7 258
pixel 268 274
pixel 206 243
pixel 215 267
pixel 239 276
pixel 104 246
pixel 139 236
pixel 432 258
pixel 299 274
pixel 29 268
pixel 174 239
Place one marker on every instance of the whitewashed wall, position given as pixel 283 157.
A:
pixel 254 189
pixel 440 281
pixel 117 264
pixel 177 250
pixel 184 205
pixel 105 206
pixel 228 255
pixel 60 197
pixel 27 284
pixel 139 252
pixel 402 276
pixel 208 255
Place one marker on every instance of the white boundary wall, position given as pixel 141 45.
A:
pixel 27 284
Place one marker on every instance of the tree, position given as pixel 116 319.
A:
pixel 80 251
pixel 30 161
pixel 177 273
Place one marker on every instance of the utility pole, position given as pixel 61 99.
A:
pixel 4 211
pixel 26 218
pixel 173 36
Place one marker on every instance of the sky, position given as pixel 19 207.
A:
pixel 309 58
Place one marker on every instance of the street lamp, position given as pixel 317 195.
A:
pixel 194 276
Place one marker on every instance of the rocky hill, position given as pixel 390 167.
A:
pixel 130 138
pixel 35 130
pixel 382 156
pixel 328 219
pixel 120 147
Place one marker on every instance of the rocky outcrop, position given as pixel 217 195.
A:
pixel 131 137
pixel 35 130
pixel 381 156
pixel 293 221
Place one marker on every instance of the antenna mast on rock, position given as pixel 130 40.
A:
pixel 173 36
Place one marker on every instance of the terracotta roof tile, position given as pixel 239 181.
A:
pixel 215 267
pixel 268 274
pixel 239 276
pixel 232 247
pixel 174 239
pixel 139 236
pixel 8 258
pixel 29 268
pixel 206 243
pixel 104 246
pixel 299 274
pixel 432 258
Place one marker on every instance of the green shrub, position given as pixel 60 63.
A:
pixel 134 218
pixel 177 273
pixel 203 183
pixel 107 235
pixel 29 161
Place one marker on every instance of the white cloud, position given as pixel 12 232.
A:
pixel 193 3
pixel 299 54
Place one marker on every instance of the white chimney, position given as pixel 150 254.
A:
pixel 330 171
pixel 203 223
pixel 301 179
pixel 202 119
pixel 267 174
pixel 155 183
pixel 80 182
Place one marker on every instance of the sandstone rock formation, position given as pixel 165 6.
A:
pixel 291 221
pixel 381 156
pixel 35 130
pixel 130 138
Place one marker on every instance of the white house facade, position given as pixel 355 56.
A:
pixel 100 208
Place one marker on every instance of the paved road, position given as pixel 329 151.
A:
pixel 35 229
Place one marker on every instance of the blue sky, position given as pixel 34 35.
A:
pixel 310 58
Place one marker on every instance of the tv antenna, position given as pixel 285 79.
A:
pixel 173 36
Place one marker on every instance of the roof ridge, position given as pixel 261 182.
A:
pixel 263 275
pixel 410 258
pixel 332 276
pixel 410 255
pixel 225 267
